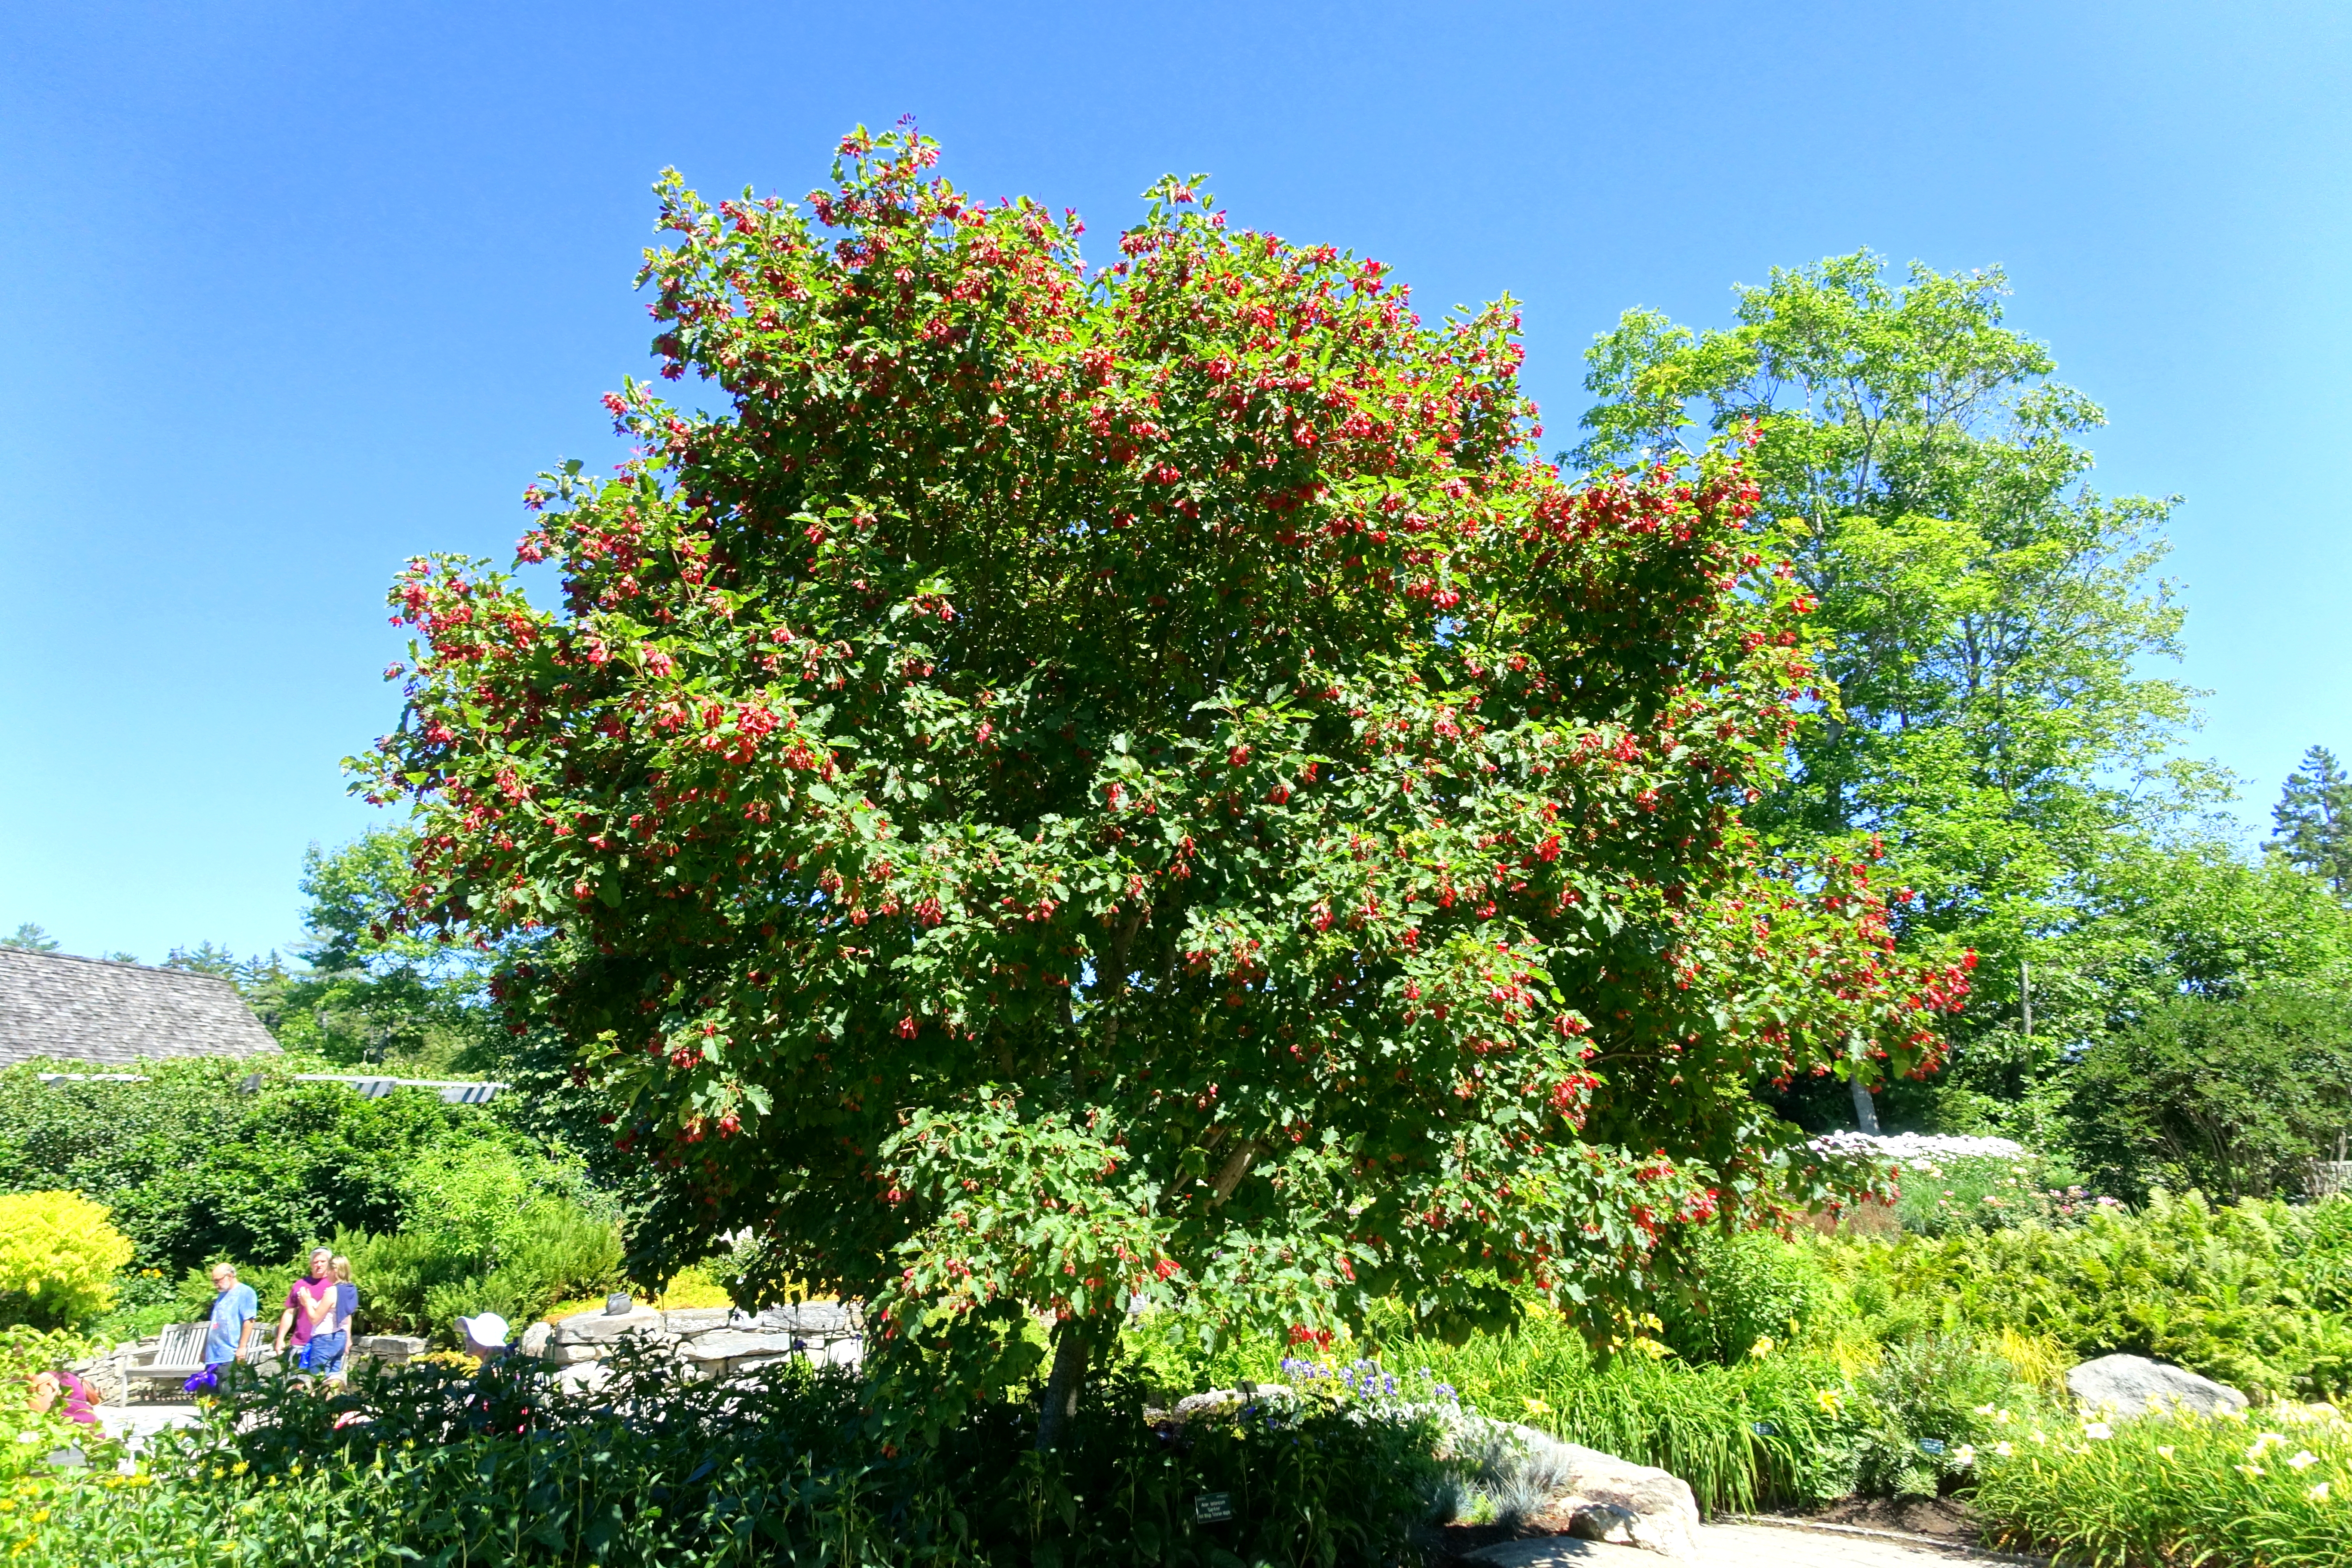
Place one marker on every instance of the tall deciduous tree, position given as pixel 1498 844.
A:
pixel 1990 619
pixel 2313 818
pixel 369 991
pixel 1074 786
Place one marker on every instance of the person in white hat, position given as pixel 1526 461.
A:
pixel 485 1335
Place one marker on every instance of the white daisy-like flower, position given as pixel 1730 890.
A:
pixel 2098 1429
pixel 2164 1450
pixel 2303 1460
pixel 2318 1493
pixel 2003 1449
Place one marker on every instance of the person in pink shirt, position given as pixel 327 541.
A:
pixel 67 1395
pixel 309 1307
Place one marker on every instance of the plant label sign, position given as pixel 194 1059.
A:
pixel 1212 1508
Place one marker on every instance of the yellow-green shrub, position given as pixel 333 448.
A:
pixel 58 1259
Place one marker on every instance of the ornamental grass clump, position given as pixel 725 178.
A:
pixel 1078 783
pixel 2266 1488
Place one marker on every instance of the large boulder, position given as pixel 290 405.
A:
pixel 2128 1385
pixel 1603 1498
pixel 603 1329
pixel 393 1349
pixel 723 1351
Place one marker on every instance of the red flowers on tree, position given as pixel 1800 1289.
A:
pixel 1075 786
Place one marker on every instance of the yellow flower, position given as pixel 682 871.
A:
pixel 2164 1450
pixel 239 1468
pixel 1828 1400
pixel 1763 1347
pixel 2249 1471
pixel 1535 1406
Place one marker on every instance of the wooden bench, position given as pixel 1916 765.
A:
pixel 178 1356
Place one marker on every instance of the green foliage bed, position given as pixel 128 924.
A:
pixel 2257 1295
pixel 505 1470
pixel 443 1209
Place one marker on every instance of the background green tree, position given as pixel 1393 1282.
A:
pixel 371 992
pixel 2313 818
pixel 1989 619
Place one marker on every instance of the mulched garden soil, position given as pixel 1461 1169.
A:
pixel 1945 1518
pixel 1445 1545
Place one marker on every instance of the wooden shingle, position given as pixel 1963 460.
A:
pixel 86 1009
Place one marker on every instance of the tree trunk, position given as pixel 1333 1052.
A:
pixel 1865 1114
pixel 1069 1375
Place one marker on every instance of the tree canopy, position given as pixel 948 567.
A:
pixel 1990 621
pixel 1078 784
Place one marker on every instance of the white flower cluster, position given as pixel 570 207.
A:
pixel 1918 1146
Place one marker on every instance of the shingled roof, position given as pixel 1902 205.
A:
pixel 89 1010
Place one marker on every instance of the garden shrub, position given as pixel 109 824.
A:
pixel 1740 1290
pixel 197 1168
pixel 2252 1293
pixel 145 1299
pixel 59 1256
pixel 2174 1490
pixel 418 1282
pixel 483 1232
pixel 1927 1407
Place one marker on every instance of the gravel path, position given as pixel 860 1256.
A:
pixel 1735 1546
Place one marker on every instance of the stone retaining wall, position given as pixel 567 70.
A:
pixel 711 1341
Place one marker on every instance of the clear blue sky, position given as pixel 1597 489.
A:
pixel 297 290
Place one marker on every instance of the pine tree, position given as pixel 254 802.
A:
pixel 31 938
pixel 2313 817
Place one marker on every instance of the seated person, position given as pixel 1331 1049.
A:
pixel 62 1392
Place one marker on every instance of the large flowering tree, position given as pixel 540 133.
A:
pixel 1074 786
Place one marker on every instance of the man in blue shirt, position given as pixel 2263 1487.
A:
pixel 236 1318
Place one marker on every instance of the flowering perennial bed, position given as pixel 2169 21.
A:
pixel 2259 1490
